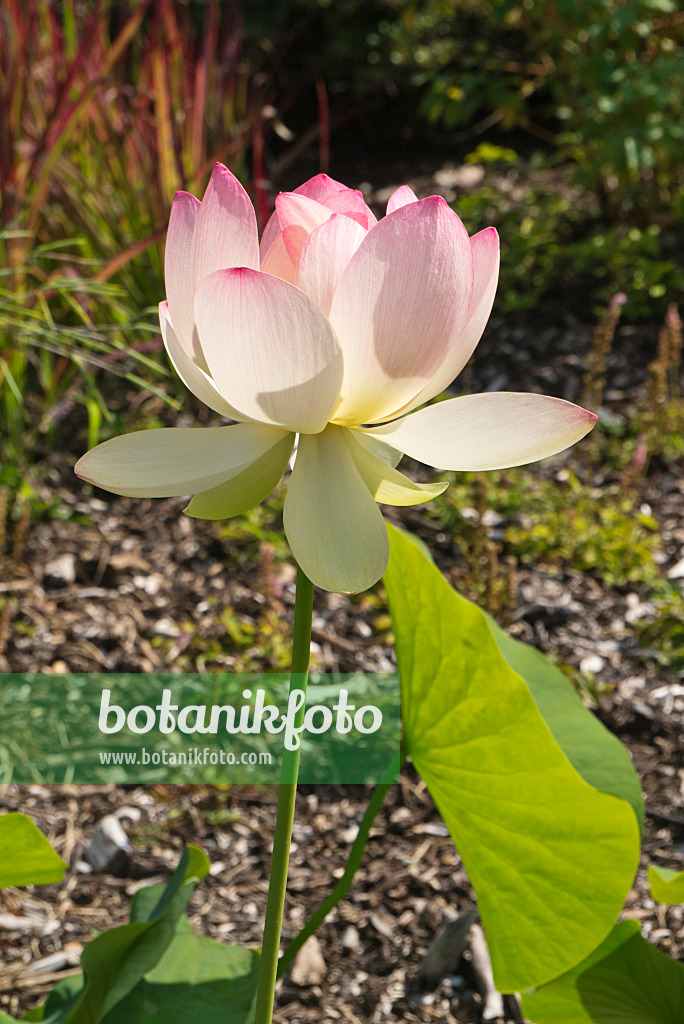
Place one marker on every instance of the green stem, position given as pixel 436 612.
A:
pixel 344 884
pixel 268 970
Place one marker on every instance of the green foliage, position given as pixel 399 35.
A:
pixel 664 432
pixel 261 527
pixel 110 108
pixel 667 886
pixel 663 636
pixel 534 224
pixel 58 333
pixel 599 83
pixel 594 752
pixel 157 965
pixel 600 80
pixel 601 534
pixel 628 259
pixel 117 960
pixel 555 243
pixel 561 522
pixel 486 153
pixel 625 981
pixel 591 90
pixel 26 857
pixel 494 732
pixel 196 978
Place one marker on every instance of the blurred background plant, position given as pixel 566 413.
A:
pixel 579 102
pixel 597 81
pixel 107 109
pixel 569 114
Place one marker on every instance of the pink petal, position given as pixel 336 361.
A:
pixel 319 186
pixel 315 188
pixel 270 233
pixel 351 203
pixel 324 256
pixel 495 430
pixel 277 261
pixel 177 266
pixel 399 306
pixel 298 217
pixel 402 197
pixel 193 376
pixel 485 247
pixel 226 229
pixel 271 352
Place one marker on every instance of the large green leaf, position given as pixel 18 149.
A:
pixel 116 961
pixel 197 979
pixel 625 981
pixel 26 857
pixel 667 886
pixel 598 756
pixel 550 857
pixel 193 979
pixel 596 753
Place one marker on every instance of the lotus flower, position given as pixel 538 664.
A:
pixel 333 332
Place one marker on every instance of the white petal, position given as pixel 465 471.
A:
pixel 334 527
pixel 495 430
pixel 178 266
pixel 225 230
pixel 270 350
pixel 399 306
pixel 384 483
pixel 249 487
pixel 170 461
pixel 485 248
pixel 378 449
pixel 324 256
pixel 194 378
